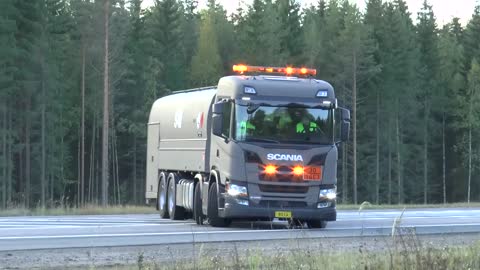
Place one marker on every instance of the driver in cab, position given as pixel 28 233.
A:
pixel 306 125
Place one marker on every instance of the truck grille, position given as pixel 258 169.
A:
pixel 282 204
pixel 283 189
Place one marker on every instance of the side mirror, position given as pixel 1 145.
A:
pixel 217 108
pixel 217 124
pixel 345 125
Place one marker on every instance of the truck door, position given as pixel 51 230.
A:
pixel 220 155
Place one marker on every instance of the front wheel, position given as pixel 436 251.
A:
pixel 197 205
pixel 212 210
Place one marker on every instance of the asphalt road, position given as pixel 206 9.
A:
pixel 27 233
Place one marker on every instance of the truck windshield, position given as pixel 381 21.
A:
pixel 283 125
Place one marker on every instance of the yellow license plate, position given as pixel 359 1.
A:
pixel 283 214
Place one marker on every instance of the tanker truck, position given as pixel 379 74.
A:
pixel 261 145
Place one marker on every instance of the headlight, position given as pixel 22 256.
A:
pixel 328 194
pixel 236 190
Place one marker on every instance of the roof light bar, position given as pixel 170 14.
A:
pixel 285 70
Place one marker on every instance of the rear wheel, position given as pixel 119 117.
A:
pixel 175 212
pixel 317 223
pixel 212 211
pixel 197 205
pixel 162 195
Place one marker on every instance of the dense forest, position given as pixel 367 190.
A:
pixel 74 70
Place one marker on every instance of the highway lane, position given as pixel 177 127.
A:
pixel 26 233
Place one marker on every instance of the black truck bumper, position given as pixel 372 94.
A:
pixel 235 210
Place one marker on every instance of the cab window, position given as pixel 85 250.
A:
pixel 227 115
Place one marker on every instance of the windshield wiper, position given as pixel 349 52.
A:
pixel 262 140
pixel 253 107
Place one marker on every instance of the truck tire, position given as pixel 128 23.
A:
pixel 175 212
pixel 317 223
pixel 212 209
pixel 197 205
pixel 162 195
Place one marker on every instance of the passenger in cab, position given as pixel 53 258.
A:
pixel 306 125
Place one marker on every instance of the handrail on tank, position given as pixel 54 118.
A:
pixel 194 89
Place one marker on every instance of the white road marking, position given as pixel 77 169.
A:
pixel 63 224
pixel 403 218
pixel 295 231
pixel 36 227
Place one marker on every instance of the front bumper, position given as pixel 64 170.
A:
pixel 235 210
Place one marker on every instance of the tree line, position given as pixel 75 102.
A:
pixel 74 70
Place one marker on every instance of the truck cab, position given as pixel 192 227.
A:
pixel 270 152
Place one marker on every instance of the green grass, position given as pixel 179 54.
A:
pixel 131 209
pixel 87 210
pixel 367 206
pixel 406 255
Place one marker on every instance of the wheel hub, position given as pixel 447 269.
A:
pixel 170 200
pixel 161 199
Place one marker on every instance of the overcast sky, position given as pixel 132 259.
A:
pixel 444 10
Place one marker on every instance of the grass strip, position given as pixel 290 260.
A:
pixel 134 209
pixel 406 255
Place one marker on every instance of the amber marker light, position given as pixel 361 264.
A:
pixel 289 71
pixel 298 170
pixel 270 169
pixel 240 68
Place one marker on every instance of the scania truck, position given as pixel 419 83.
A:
pixel 261 145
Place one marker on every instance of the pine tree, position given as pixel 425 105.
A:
pixel 472 117
pixel 313 39
pixel 224 30
pixel 359 65
pixel 268 50
pixel 106 105
pixel 206 64
pixel 87 51
pixel 290 34
pixel 328 63
pixel 452 82
pixel 322 6
pixel 82 123
pixel 27 78
pixel 456 28
pixel 55 55
pixel 8 52
pixel 238 20
pixel 251 33
pixel 167 19
pixel 130 109
pixel 374 20
pixel 190 34
pixel 427 40
pixel 400 61
pixel 471 38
